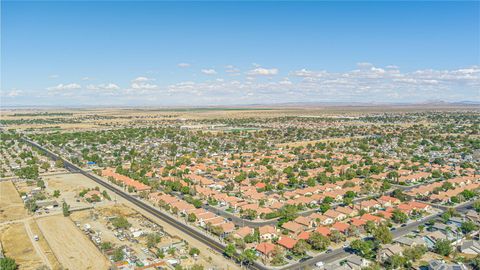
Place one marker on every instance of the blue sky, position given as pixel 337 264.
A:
pixel 211 53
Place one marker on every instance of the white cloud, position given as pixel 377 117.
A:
pixel 14 93
pixel 68 86
pixel 209 71
pixel 143 86
pixel 142 79
pixel 259 71
pixel 54 76
pixel 184 65
pixel 364 82
pixel 143 83
pixel 103 86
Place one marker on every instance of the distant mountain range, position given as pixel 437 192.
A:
pixel 428 103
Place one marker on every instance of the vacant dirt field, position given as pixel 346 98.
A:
pixel 18 245
pixel 11 205
pixel 44 245
pixel 72 248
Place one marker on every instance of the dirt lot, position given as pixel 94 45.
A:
pixel 72 248
pixel 44 245
pixel 70 185
pixel 17 244
pixel 11 205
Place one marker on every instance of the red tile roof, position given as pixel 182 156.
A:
pixel 287 242
pixel 265 248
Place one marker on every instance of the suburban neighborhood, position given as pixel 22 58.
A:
pixel 270 194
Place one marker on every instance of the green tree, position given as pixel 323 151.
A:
pixel 365 249
pixel 288 213
pixel 196 267
pixel 153 239
pixel 414 253
pixel 194 251
pixel 468 227
pixel 399 217
pixel 65 209
pixel 476 206
pixel 120 223
pixel 117 255
pixel 248 256
pixel 398 193
pixel 383 234
pixel 191 217
pixel 443 247
pixel 7 263
pixel 396 261
pixel 249 214
pixel 318 241
pixel 230 250
pixel 337 236
pixel 31 205
pixel 105 246
pixel 59 163
pixel 56 193
pixel 300 247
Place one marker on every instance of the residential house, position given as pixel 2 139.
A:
pixel 471 247
pixel 293 227
pixel 287 242
pixel 388 250
pixel 267 232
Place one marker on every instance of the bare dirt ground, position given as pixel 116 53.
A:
pixel 70 185
pixel 42 242
pixel 11 205
pixel 18 245
pixel 72 248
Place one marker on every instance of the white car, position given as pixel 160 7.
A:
pixel 319 264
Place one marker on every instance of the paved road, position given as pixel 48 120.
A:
pixel 219 247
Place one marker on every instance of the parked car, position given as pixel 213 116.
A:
pixel 305 258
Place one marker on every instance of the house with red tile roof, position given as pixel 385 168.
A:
pixel 412 178
pixel 419 206
pixel 341 227
pixel 405 208
pixel 335 215
pixel 357 222
pixel 384 214
pixel 321 219
pixel 125 180
pixel 242 232
pixel 348 211
pixel 387 201
pixel 260 185
pixel 267 232
pixel 325 231
pixel 293 227
pixel 227 227
pixel 370 217
pixel 287 242
pixel 265 248
pixel 368 205
pixel 303 235
pixel 305 221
